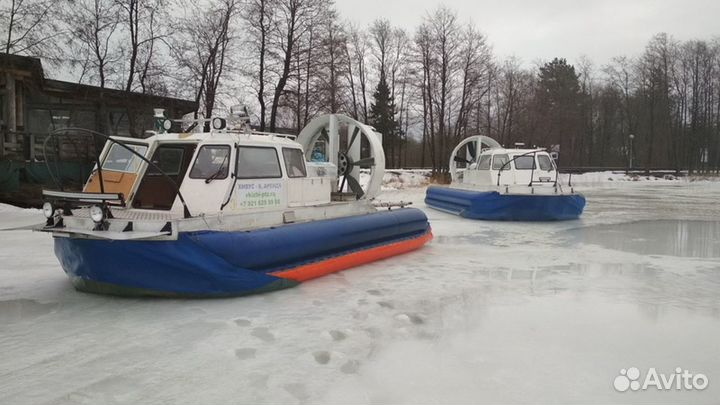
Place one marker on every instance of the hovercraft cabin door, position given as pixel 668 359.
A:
pixel 156 190
pixel 207 184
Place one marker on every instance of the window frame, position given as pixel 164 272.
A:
pixel 134 156
pixel 219 145
pixel 552 164
pixel 531 157
pixel 480 160
pixel 505 164
pixel 285 160
pixel 237 163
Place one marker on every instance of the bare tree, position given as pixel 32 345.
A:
pixel 295 21
pixel 94 24
pixel 202 48
pixel 446 45
pixel 381 33
pixel 260 18
pixel 29 27
pixel 356 51
pixel 475 60
pixel 335 61
pixel 426 59
pixel 141 19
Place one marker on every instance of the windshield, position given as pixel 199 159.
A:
pixel 121 159
pixel 484 163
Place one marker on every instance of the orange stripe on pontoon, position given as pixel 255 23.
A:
pixel 321 268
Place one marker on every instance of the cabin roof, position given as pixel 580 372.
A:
pixel 511 151
pixel 229 137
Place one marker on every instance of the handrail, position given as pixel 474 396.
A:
pixel 53 134
pixel 533 152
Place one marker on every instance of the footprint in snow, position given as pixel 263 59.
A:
pixel 245 353
pixel 374 333
pixel 322 357
pixel 337 335
pixel 386 304
pixel 297 390
pixel 242 322
pixel 412 318
pixel 263 334
pixel 350 367
pixel 374 292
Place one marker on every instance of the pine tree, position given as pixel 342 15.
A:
pixel 382 117
pixel 559 101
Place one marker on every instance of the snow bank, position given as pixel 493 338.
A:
pixel 398 179
pixel 9 208
pixel 611 176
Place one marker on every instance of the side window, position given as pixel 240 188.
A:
pixel 499 161
pixel 212 162
pixel 545 162
pixel 294 162
pixel 484 163
pixel 255 162
pixel 525 162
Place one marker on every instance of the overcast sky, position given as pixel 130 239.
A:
pixel 543 29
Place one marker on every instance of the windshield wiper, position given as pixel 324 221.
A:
pixel 218 172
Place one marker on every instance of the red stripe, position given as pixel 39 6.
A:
pixel 331 265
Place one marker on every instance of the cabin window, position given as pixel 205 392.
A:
pixel 255 162
pixel 545 162
pixel 525 162
pixel 212 162
pixel 294 162
pixel 484 162
pixel 499 161
pixel 120 159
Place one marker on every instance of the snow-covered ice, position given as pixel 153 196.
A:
pixel 489 312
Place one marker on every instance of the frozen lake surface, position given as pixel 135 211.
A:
pixel 489 312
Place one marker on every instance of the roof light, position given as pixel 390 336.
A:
pixel 218 123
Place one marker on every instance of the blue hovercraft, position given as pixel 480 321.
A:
pixel 216 209
pixel 504 185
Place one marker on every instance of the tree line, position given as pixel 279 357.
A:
pixel 424 88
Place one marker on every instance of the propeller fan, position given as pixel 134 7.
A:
pixel 346 153
pixel 474 148
pixel 471 151
pixel 346 164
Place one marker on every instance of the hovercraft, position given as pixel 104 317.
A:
pixel 227 211
pixel 504 185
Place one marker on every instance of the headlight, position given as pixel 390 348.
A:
pixel 97 214
pixel 48 210
pixel 218 123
